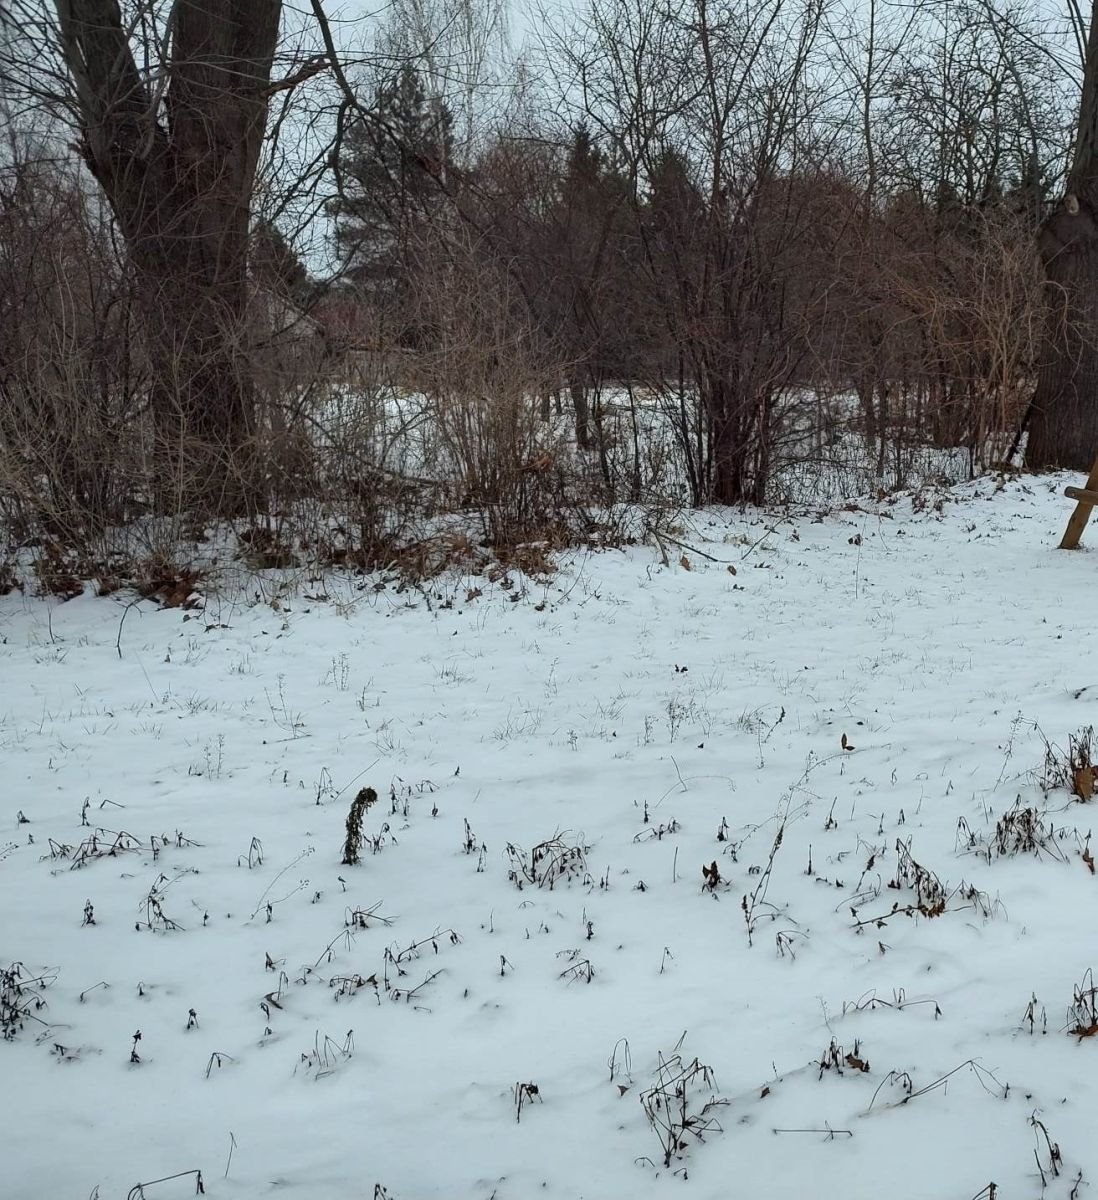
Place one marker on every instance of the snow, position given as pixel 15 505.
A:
pixel 944 637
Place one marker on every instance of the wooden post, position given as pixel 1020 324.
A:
pixel 1083 509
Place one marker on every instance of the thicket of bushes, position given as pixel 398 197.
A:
pixel 709 257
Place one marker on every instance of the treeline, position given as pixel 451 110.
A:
pixel 722 239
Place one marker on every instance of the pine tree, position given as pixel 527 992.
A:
pixel 393 160
pixel 585 162
pixel 275 264
pixel 585 255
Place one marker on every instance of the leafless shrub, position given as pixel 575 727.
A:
pixel 349 985
pixel 1022 829
pixel 362 918
pixel 72 386
pixel 1082 1019
pixel 1035 1014
pixel 547 864
pixel 580 968
pixel 681 1104
pixel 932 897
pixel 480 375
pixel 21 998
pixel 929 892
pixel 156 919
pixel 835 1058
pixel 1054 1160
pixel 326 1056
pixel 1073 769
pixel 754 904
pixel 525 1093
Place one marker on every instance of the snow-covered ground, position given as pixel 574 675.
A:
pixel 820 454
pixel 365 1027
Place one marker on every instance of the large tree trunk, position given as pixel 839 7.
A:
pixel 178 170
pixel 727 448
pixel 1063 424
pixel 583 414
pixel 1063 421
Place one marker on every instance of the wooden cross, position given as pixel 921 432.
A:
pixel 1087 500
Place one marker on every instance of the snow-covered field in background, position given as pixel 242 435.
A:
pixel 820 455
pixel 659 719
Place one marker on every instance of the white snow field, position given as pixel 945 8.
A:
pixel 175 791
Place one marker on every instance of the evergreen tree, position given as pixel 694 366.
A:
pixel 275 264
pixel 586 257
pixel 674 207
pixel 392 162
pixel 584 169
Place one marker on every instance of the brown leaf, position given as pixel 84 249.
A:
pixel 1083 782
pixel 1088 858
pixel 845 744
pixel 684 562
pixel 1085 1031
pixel 731 569
pixel 622 1089
pixel 855 1063
pixel 764 1093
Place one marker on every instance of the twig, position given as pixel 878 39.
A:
pixel 125 611
pixel 695 550
pixel 769 531
pixel 831 1133
pixel 913 1093
pixel 259 905
pixel 137 1192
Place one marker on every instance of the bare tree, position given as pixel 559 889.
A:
pixel 452 44
pixel 70 375
pixel 708 108
pixel 170 104
pixel 1063 419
